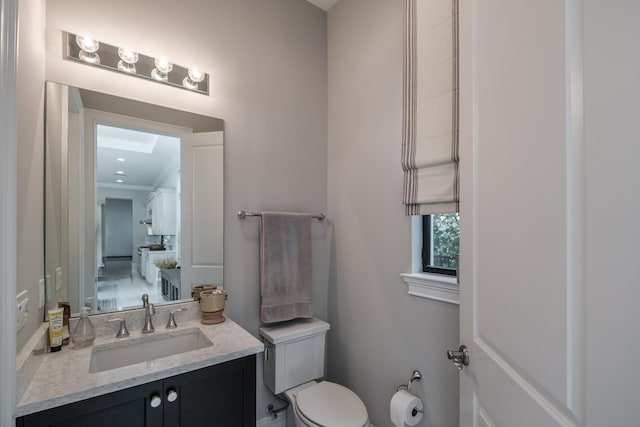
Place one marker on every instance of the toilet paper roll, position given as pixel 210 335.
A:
pixel 405 408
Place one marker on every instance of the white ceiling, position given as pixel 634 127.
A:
pixel 142 170
pixel 323 4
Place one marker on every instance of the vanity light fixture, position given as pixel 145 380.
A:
pixel 89 51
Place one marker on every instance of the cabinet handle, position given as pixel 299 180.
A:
pixel 156 401
pixel 172 395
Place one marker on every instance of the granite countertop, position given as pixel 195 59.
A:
pixel 63 377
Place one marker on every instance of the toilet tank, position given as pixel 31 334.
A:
pixel 294 353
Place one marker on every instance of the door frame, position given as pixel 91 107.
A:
pixel 8 215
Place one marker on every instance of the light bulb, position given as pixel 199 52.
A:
pixel 195 76
pixel 163 65
pixel 163 68
pixel 128 58
pixel 88 49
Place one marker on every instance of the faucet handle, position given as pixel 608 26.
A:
pixel 122 330
pixel 145 300
pixel 172 321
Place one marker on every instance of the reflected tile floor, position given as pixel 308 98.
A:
pixel 120 286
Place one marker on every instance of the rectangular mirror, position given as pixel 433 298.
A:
pixel 133 200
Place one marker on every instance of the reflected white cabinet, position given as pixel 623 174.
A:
pixel 161 205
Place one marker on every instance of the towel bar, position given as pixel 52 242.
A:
pixel 244 214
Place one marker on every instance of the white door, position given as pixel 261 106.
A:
pixel 201 204
pixel 522 216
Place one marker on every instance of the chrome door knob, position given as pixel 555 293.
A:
pixel 459 358
pixel 172 395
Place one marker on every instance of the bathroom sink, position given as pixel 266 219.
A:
pixel 149 347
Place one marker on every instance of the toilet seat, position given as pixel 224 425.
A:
pixel 327 404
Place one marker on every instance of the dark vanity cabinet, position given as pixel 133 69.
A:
pixel 222 395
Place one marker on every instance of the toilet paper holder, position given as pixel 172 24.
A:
pixel 415 376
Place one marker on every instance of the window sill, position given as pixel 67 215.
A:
pixel 433 286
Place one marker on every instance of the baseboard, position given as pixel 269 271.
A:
pixel 281 421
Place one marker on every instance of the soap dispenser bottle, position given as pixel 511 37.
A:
pixel 83 335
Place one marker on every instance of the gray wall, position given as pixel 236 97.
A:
pixel 268 61
pixel 118 227
pixel 30 152
pixel 379 334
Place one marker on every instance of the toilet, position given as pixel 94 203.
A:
pixel 293 362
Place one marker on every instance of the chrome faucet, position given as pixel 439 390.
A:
pixel 149 311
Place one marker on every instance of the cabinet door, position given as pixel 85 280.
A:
pixel 127 408
pixel 219 396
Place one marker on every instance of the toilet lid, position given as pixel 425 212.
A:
pixel 329 404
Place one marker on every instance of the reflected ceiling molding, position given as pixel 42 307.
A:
pixel 123 60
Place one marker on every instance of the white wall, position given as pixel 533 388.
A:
pixel 379 334
pixel 30 92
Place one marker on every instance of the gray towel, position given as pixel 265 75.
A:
pixel 285 266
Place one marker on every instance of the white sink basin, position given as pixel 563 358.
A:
pixel 149 347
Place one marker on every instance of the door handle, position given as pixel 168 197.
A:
pixel 459 358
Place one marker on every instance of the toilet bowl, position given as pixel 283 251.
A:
pixel 323 404
pixel 293 362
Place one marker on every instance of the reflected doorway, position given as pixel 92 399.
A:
pixel 134 168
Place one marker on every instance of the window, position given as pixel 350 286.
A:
pixel 440 243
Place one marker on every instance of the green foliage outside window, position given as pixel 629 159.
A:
pixel 446 239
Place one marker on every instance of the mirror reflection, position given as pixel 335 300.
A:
pixel 133 203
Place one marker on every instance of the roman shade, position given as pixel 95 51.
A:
pixel 430 106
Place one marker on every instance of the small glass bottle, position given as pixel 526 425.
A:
pixel 83 335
